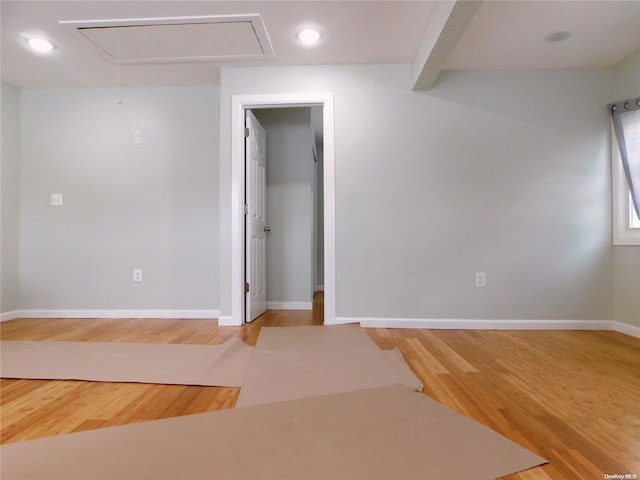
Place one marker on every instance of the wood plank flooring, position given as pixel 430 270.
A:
pixel 572 397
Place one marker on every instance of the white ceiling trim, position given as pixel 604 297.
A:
pixel 244 32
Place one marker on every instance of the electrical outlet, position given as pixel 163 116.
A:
pixel 137 138
pixel 137 275
pixel 56 199
pixel 481 279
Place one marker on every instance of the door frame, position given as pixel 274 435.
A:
pixel 240 103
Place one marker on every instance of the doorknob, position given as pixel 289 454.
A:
pixel 267 229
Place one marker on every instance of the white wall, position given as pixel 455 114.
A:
pixel 626 78
pixel 503 172
pixel 289 204
pixel 626 266
pixel 152 206
pixel 10 202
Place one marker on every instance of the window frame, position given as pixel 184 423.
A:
pixel 623 234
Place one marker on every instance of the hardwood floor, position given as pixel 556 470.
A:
pixel 572 397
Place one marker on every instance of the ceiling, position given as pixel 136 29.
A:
pixel 501 34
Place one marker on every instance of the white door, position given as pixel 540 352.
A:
pixel 255 221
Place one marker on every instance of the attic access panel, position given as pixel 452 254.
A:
pixel 178 39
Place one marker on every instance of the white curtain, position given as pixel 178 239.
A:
pixel 626 123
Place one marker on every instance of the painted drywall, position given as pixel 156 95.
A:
pixel 289 203
pixel 10 174
pixel 626 266
pixel 152 206
pixel 503 172
pixel 319 278
pixel 626 78
pixel 318 128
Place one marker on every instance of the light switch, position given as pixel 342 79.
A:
pixel 56 199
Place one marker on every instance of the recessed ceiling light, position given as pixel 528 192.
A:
pixel 309 36
pixel 40 45
pixel 557 36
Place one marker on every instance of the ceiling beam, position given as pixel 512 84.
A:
pixel 447 23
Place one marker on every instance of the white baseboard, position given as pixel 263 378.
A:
pixel 226 321
pixel 118 313
pixel 627 329
pixel 466 324
pixel 453 324
pixel 289 305
pixel 6 316
pixel 343 321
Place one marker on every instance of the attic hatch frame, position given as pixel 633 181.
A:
pixel 255 19
pixel 239 104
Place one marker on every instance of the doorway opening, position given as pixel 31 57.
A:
pixel 240 105
pixel 284 215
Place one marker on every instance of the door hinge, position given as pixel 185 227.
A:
pixel 246 287
pixel 246 132
pixel 246 209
